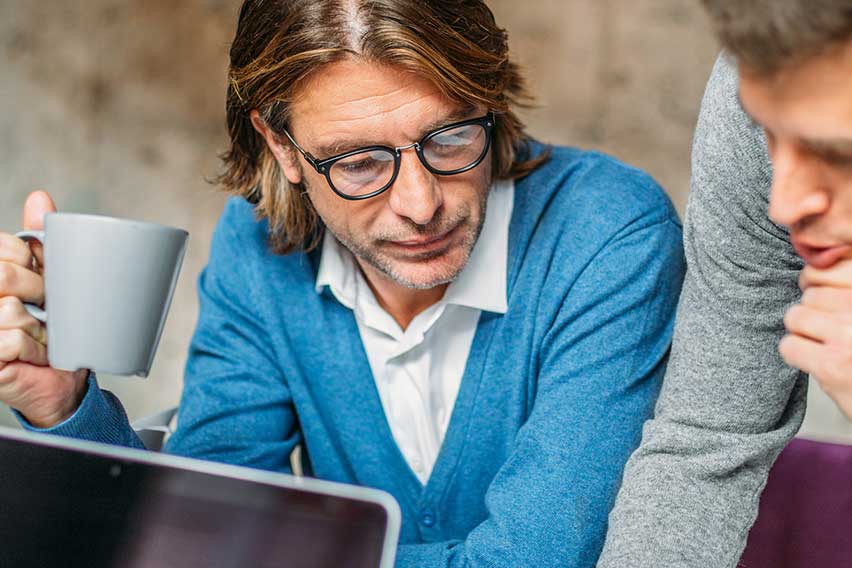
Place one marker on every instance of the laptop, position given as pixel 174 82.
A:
pixel 71 503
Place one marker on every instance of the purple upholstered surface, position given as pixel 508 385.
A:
pixel 805 518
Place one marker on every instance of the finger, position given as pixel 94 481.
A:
pixel 14 250
pixel 838 275
pixel 16 345
pixel 14 316
pixel 828 299
pixel 802 353
pixel 37 205
pixel 21 283
pixel 812 323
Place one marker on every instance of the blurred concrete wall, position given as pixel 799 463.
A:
pixel 116 107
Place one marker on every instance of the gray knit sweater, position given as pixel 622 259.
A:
pixel 728 404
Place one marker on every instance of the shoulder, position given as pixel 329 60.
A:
pixel 731 180
pixel 240 236
pixel 579 206
pixel 729 153
pixel 239 219
pixel 592 192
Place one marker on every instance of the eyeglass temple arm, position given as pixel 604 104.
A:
pixel 306 155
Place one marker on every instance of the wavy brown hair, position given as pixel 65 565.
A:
pixel 455 44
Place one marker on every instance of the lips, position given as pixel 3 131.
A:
pixel 425 243
pixel 820 256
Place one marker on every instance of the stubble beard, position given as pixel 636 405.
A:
pixel 388 265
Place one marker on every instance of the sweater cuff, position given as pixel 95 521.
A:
pixel 99 418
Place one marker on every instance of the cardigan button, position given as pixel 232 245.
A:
pixel 427 518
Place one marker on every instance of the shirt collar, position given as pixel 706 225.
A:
pixel 481 283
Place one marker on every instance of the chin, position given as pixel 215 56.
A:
pixel 426 274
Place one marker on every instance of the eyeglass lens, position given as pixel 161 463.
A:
pixel 444 152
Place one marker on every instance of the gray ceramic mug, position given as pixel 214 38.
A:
pixel 108 287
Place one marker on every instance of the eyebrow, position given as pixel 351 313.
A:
pixel 342 146
pixel 822 146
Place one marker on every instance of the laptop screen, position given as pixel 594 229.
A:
pixel 63 506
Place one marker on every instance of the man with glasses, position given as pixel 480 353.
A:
pixel 407 286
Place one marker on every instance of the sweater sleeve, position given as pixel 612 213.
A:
pixel 599 371
pixel 236 406
pixel 99 418
pixel 728 404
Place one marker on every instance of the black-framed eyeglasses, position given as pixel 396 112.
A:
pixel 367 172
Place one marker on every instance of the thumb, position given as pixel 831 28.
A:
pixel 37 205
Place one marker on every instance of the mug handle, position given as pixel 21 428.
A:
pixel 35 311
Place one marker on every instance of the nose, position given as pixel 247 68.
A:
pixel 798 189
pixel 415 193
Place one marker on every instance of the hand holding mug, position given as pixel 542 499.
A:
pixel 106 285
pixel 819 339
pixel 43 395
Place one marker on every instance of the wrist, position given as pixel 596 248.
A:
pixel 77 385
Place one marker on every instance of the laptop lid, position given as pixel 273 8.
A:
pixel 72 503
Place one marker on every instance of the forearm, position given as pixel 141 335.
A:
pixel 691 491
pixel 729 403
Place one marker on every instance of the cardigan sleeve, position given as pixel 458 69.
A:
pixel 236 406
pixel 99 418
pixel 729 403
pixel 600 367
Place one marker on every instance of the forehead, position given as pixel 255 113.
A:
pixel 355 97
pixel 811 99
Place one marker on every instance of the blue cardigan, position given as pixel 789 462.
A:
pixel 550 406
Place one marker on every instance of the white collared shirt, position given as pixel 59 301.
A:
pixel 418 371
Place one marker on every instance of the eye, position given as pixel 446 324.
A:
pixel 457 136
pixel 358 165
pixel 454 141
pixel 837 159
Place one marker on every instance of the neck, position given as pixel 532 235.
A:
pixel 402 303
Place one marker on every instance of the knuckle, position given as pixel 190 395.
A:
pixel 19 336
pixel 11 343
pixel 792 316
pixel 7 276
pixel 7 374
pixel 810 295
pixel 24 258
pixel 785 348
pixel 5 347
pixel 804 277
pixel 16 251
pixel 10 307
pixel 784 343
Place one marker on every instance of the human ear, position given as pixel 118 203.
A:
pixel 286 156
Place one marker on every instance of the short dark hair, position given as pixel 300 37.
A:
pixel 768 35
